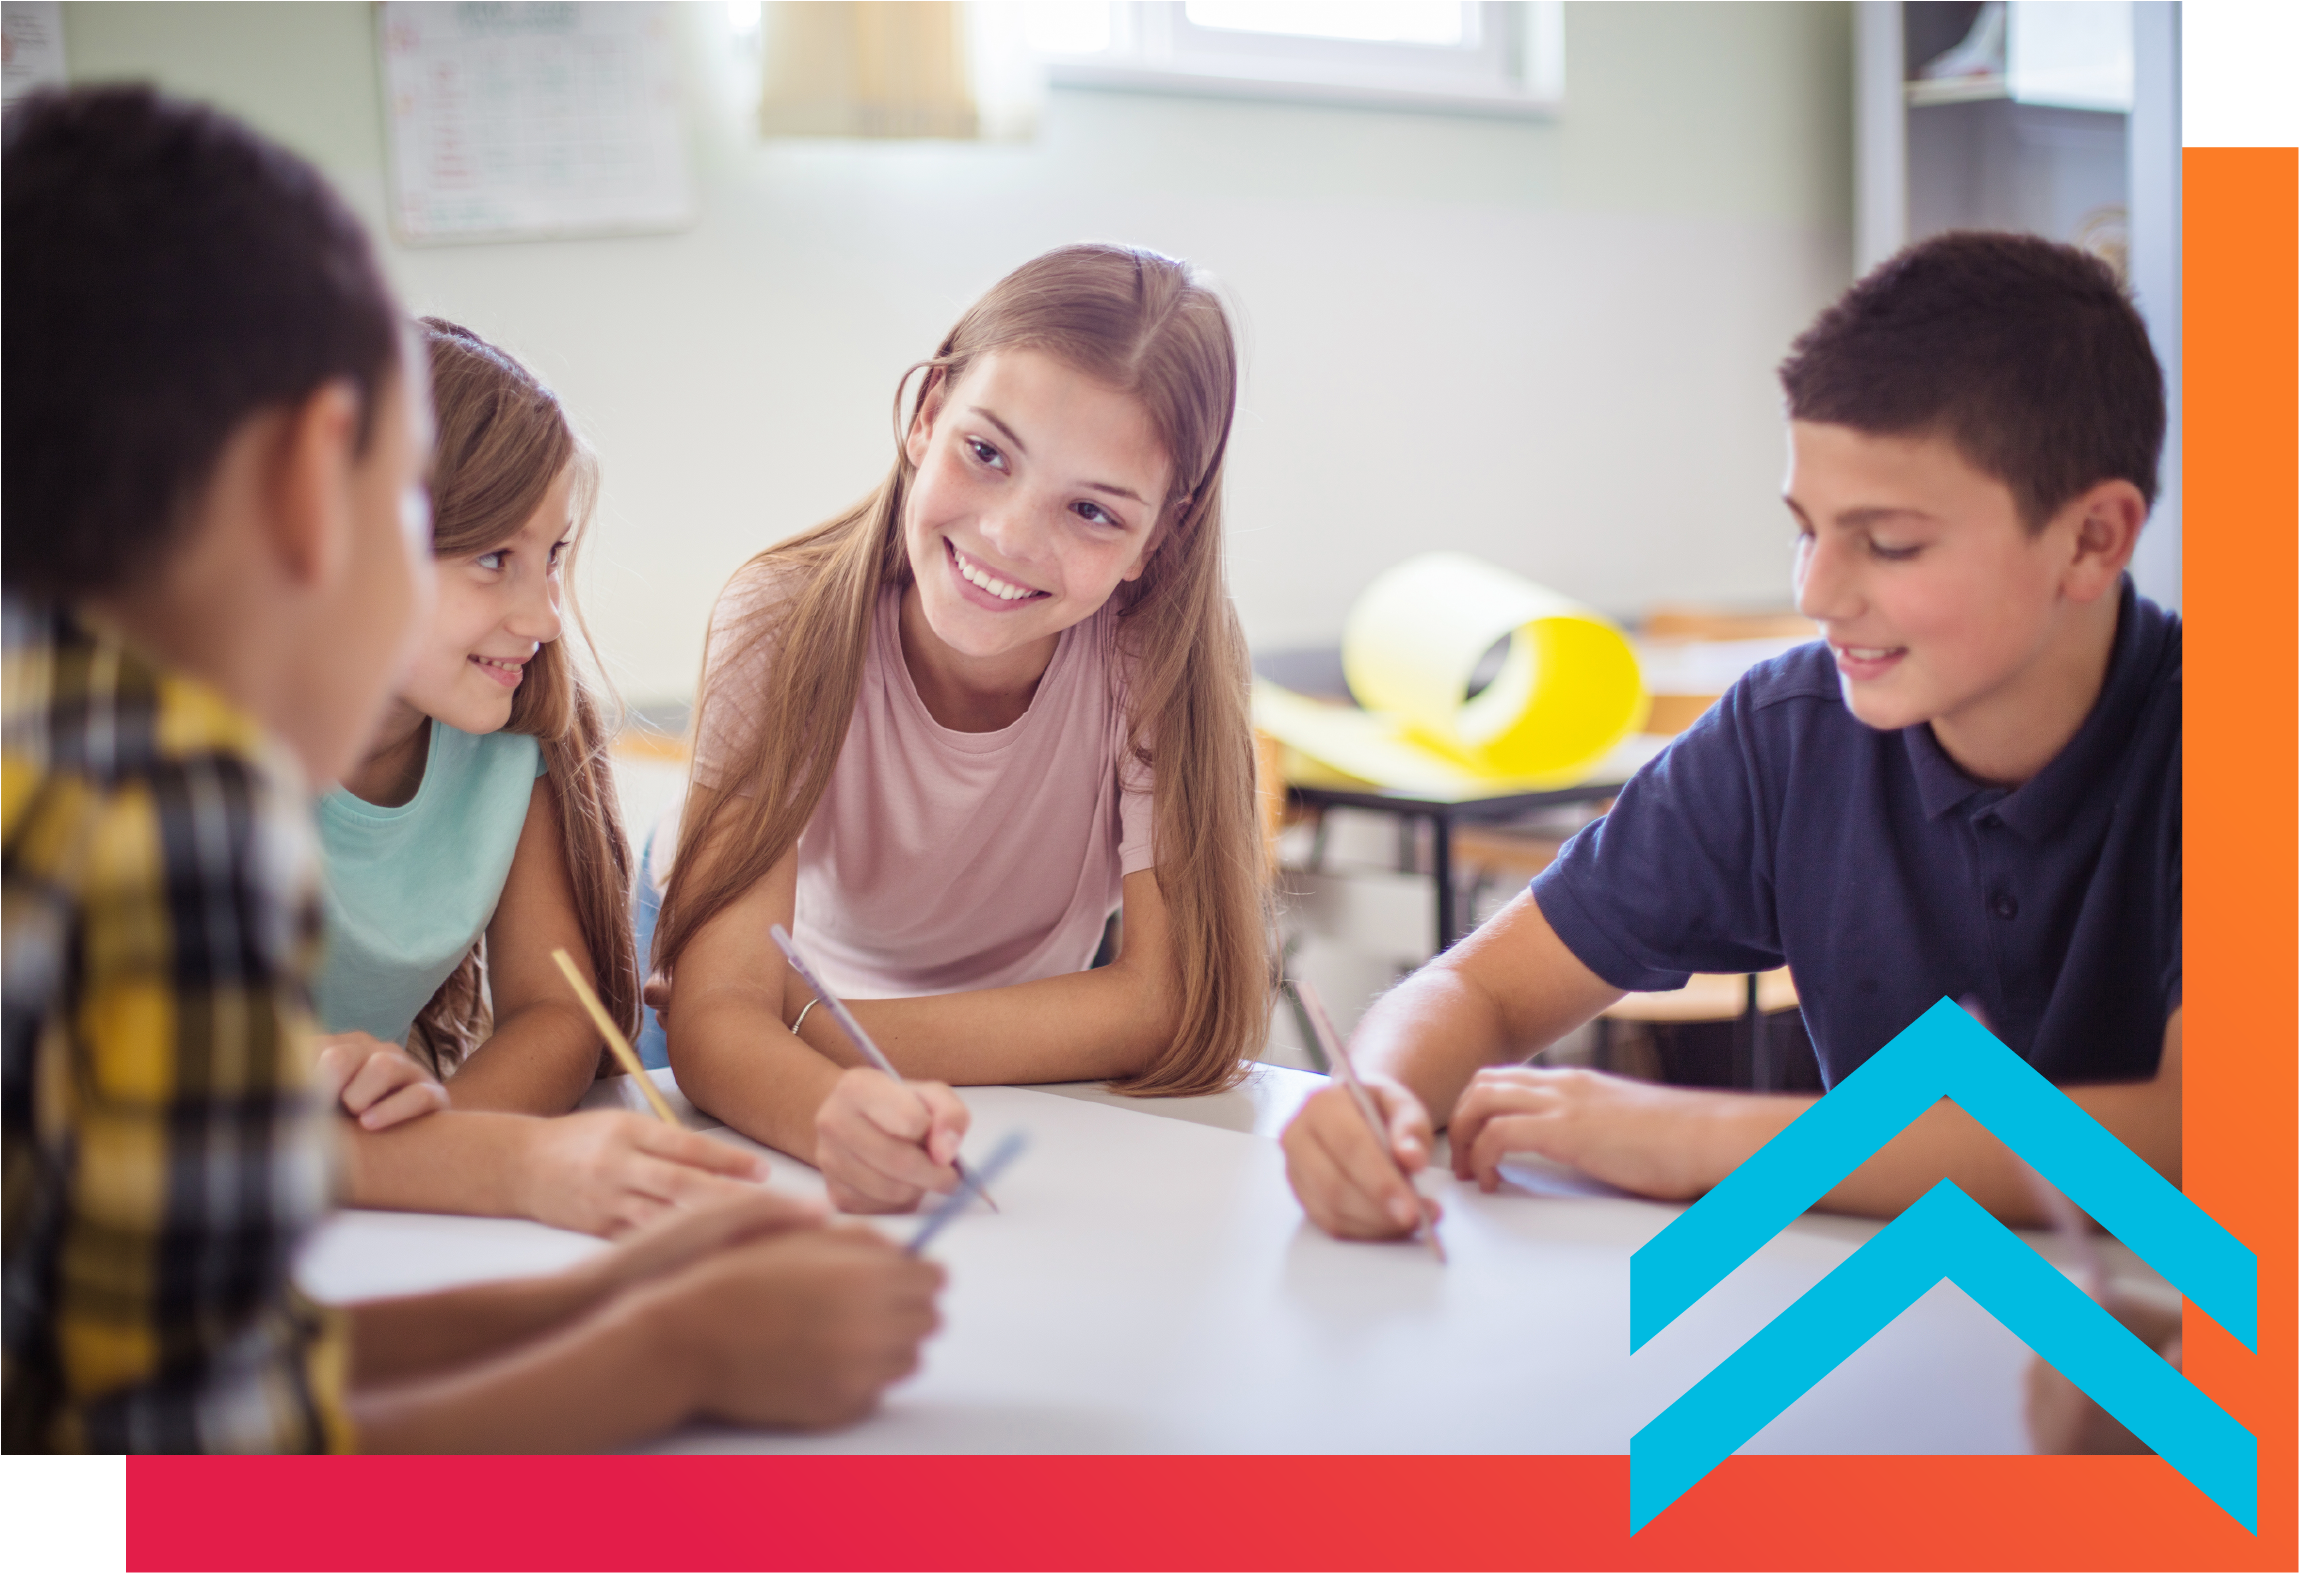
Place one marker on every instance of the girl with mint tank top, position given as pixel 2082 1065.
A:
pixel 411 889
pixel 478 835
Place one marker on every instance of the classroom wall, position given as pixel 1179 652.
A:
pixel 1548 343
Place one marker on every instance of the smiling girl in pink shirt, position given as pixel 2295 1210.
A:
pixel 945 735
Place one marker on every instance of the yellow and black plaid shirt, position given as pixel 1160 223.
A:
pixel 165 1148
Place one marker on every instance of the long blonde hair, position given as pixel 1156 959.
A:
pixel 1144 325
pixel 503 439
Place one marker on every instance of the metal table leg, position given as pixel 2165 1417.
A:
pixel 1441 873
pixel 1760 1068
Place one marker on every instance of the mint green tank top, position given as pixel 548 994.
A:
pixel 409 889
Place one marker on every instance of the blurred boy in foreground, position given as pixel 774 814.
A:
pixel 217 546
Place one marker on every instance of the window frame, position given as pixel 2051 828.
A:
pixel 1515 69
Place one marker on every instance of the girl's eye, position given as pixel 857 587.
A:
pixel 558 550
pixel 491 561
pixel 1094 513
pixel 1892 554
pixel 985 454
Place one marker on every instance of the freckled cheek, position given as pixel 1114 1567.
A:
pixel 465 621
pixel 1096 568
pixel 945 501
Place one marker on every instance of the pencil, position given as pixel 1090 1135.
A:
pixel 1337 1054
pixel 852 1028
pixel 617 1044
pixel 947 1211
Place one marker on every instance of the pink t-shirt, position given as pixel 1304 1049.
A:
pixel 937 860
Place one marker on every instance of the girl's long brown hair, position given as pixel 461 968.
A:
pixel 502 441
pixel 1144 325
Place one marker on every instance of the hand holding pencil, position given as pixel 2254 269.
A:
pixel 1335 1052
pixel 883 1143
pixel 1353 1167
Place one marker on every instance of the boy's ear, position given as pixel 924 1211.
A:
pixel 308 513
pixel 2107 524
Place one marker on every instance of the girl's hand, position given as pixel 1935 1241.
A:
pixel 380 1085
pixel 607 1171
pixel 1650 1139
pixel 883 1144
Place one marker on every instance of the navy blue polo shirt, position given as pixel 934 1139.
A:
pixel 1781 829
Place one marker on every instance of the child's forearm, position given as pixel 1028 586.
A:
pixel 1949 1144
pixel 450 1162
pixel 1944 1143
pixel 1431 1033
pixel 541 1059
pixel 609 1377
pixel 735 1060
pixel 410 1336
pixel 1505 991
pixel 1080 1026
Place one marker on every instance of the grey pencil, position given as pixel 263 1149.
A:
pixel 947 1211
pixel 846 1022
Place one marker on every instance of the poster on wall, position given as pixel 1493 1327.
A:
pixel 31 47
pixel 531 122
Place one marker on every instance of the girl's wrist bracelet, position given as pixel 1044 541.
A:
pixel 802 1010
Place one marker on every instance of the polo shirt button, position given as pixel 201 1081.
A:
pixel 2004 906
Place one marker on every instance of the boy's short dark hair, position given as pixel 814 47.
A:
pixel 2025 354
pixel 168 274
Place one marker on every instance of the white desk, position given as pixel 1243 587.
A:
pixel 1152 1286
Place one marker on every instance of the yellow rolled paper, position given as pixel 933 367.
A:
pixel 1567 694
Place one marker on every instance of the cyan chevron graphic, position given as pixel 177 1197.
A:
pixel 1945 1235
pixel 1944 1053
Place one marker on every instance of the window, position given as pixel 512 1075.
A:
pixel 1502 59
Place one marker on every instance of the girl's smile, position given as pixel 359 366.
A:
pixel 984 588
pixel 507 670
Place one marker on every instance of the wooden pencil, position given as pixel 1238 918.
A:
pixel 617 1044
pixel 1337 1054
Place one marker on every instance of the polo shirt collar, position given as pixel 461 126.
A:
pixel 2039 807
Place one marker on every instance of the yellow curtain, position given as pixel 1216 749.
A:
pixel 877 68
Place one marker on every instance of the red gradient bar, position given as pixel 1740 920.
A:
pixel 1153 1512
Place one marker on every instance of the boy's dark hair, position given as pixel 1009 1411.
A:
pixel 2026 355
pixel 168 274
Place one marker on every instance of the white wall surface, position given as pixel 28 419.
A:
pixel 1550 344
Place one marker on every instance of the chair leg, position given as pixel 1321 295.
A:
pixel 1762 1076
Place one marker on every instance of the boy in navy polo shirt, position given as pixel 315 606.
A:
pixel 1971 789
